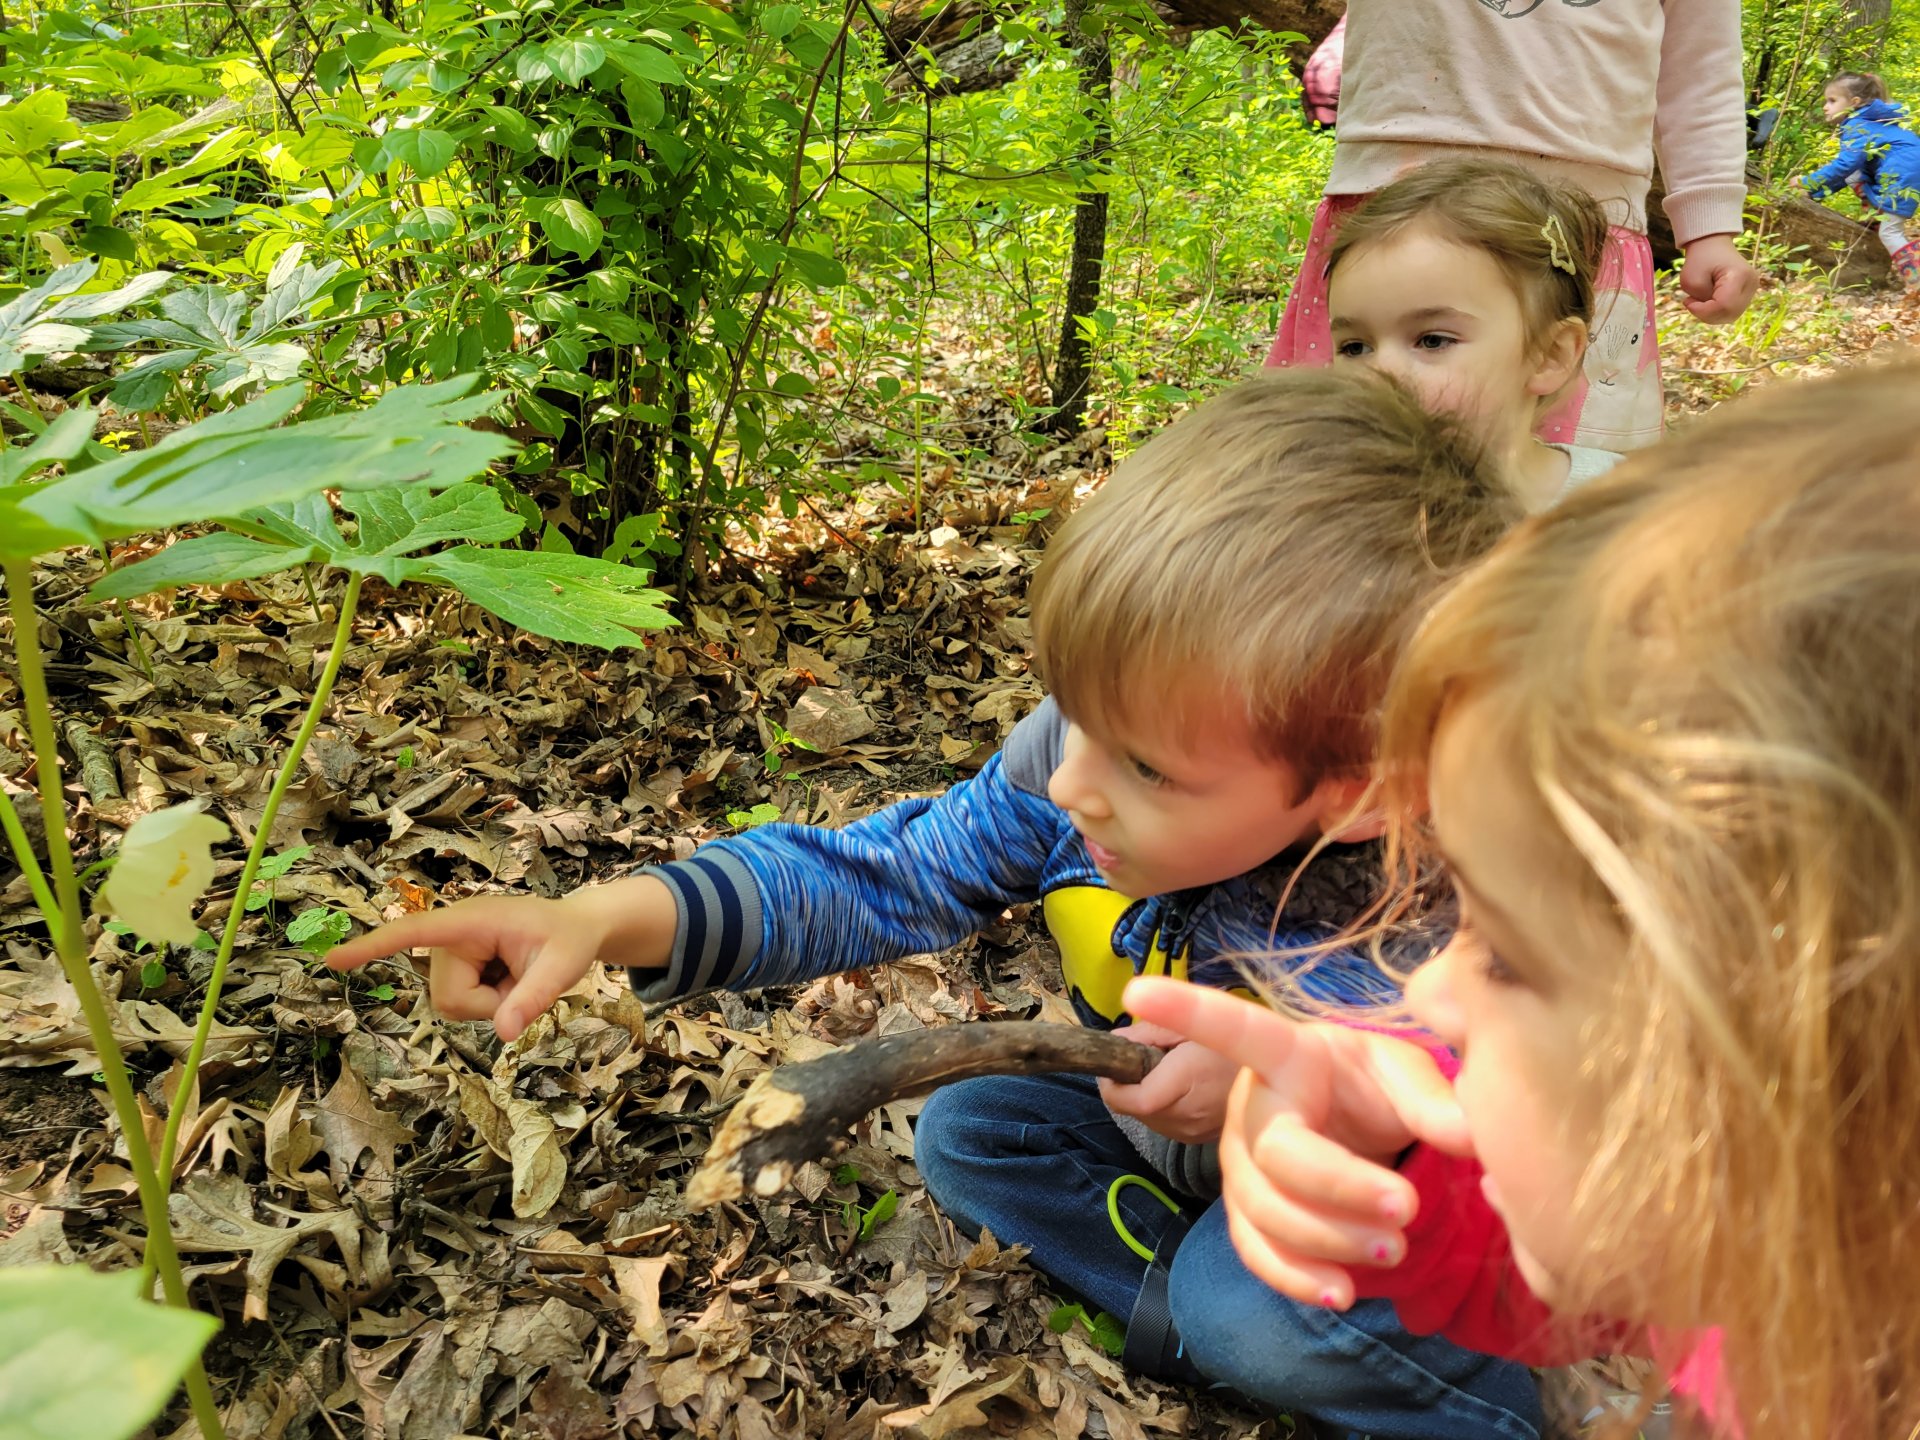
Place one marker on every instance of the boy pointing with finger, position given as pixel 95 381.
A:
pixel 1216 626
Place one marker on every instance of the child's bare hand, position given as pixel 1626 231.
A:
pixel 1716 279
pixel 1312 1129
pixel 1185 1096
pixel 507 958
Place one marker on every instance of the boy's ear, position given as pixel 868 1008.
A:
pixel 1340 806
pixel 1560 359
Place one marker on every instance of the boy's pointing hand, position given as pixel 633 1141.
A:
pixel 507 958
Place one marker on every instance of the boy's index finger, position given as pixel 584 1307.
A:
pixel 1244 1032
pixel 426 929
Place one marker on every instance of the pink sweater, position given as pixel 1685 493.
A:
pixel 1583 90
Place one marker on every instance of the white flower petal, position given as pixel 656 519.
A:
pixel 165 864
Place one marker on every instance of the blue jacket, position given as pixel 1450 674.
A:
pixel 1875 144
pixel 787 903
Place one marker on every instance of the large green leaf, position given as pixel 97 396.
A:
pixel 570 225
pixel 23 535
pixel 404 520
pixel 575 59
pixel 235 462
pixel 65 440
pixel 212 559
pixel 42 319
pixel 394 523
pixel 564 597
pixel 82 1357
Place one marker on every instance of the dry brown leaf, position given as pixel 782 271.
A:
pixel 639 1278
pixel 213 1214
pixel 350 1125
pixel 539 1165
pixel 829 719
pixel 290 1144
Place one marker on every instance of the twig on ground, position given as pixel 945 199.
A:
pixel 797 1113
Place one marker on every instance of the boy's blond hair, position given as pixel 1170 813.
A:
pixel 1711 665
pixel 1273 547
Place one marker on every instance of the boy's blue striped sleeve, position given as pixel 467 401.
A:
pixel 786 903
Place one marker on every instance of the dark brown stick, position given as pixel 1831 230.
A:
pixel 797 1113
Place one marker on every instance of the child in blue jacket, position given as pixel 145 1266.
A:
pixel 1880 158
pixel 1216 625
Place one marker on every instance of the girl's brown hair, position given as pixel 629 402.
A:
pixel 1545 236
pixel 1711 664
pixel 1859 86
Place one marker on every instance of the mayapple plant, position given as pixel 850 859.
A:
pixel 403 469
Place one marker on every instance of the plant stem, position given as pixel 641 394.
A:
pixel 135 643
pixel 70 945
pixel 306 579
pixel 29 863
pixel 190 1068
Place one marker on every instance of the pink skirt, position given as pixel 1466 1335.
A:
pixel 1616 404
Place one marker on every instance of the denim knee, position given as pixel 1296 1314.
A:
pixel 956 1130
pixel 1361 1369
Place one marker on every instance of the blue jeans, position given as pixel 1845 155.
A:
pixel 1030 1157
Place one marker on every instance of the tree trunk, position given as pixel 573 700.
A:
pixel 1073 365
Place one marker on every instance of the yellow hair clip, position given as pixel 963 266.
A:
pixel 1559 248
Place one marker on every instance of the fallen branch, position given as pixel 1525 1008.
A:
pixel 797 1113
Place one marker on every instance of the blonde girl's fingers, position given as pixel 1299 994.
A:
pixel 1245 1032
pixel 1423 1098
pixel 1323 1176
pixel 1303 1230
pixel 1309 1282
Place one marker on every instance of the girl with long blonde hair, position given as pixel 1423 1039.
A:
pixel 1667 741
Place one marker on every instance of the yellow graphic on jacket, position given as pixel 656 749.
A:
pixel 1082 919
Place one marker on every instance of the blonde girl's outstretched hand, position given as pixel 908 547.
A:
pixel 507 958
pixel 1314 1125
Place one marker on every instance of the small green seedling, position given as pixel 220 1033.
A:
pixel 1107 1332
pixel 774 762
pixel 319 929
pixel 272 867
pixel 870 1218
pixel 761 814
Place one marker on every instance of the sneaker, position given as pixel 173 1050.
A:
pixel 1589 1401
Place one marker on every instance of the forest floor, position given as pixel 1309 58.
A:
pixel 411 1232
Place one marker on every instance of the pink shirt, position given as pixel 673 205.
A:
pixel 1586 92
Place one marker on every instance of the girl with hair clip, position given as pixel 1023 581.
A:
pixel 1580 92
pixel 1664 741
pixel 1475 284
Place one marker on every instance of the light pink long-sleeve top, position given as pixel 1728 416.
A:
pixel 1583 90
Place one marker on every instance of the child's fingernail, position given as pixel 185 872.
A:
pixel 1393 1208
pixel 1331 1299
pixel 1384 1252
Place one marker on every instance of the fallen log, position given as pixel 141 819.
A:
pixel 1832 243
pixel 796 1113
